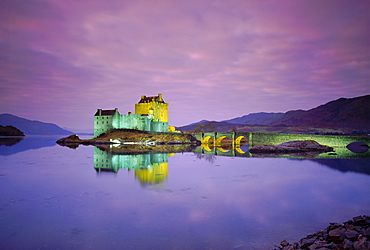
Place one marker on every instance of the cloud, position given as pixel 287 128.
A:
pixel 211 59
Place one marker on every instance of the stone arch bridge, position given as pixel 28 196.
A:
pixel 217 138
pixel 231 143
pixel 238 138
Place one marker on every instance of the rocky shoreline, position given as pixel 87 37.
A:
pixel 353 234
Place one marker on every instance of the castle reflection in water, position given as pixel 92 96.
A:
pixel 152 167
pixel 149 168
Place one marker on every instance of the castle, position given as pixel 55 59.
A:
pixel 151 114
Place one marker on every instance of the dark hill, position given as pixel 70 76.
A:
pixel 238 122
pixel 32 127
pixel 353 113
pixel 256 118
pixel 10 131
pixel 195 123
pixel 339 116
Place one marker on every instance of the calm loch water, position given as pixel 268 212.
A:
pixel 54 197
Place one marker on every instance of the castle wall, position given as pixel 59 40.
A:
pixel 102 124
pixel 159 110
pixel 135 121
pixel 159 126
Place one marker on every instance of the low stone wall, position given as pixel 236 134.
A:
pixel 291 147
pixel 328 140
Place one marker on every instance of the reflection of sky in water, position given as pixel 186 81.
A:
pixel 52 197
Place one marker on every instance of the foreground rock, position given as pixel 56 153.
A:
pixel 292 147
pixel 358 147
pixel 353 234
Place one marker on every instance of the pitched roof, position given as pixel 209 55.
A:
pixel 105 112
pixel 147 99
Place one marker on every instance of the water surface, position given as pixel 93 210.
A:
pixel 57 197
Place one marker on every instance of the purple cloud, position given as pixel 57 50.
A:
pixel 60 61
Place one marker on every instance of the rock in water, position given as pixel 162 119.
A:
pixel 69 139
pixel 358 147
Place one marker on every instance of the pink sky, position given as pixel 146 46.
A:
pixel 60 60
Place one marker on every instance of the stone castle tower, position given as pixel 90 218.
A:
pixel 154 105
pixel 151 114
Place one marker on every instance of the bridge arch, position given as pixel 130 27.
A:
pixel 206 147
pixel 220 139
pixel 222 149
pixel 242 148
pixel 239 150
pixel 239 140
pixel 207 140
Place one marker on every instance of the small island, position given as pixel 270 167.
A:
pixel 10 131
pixel 131 137
pixel 146 128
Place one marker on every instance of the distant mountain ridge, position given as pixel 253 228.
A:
pixel 195 123
pixel 346 113
pixel 351 113
pixel 261 118
pixel 30 127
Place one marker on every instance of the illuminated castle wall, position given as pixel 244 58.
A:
pixel 153 105
pixel 151 114
pixel 149 168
